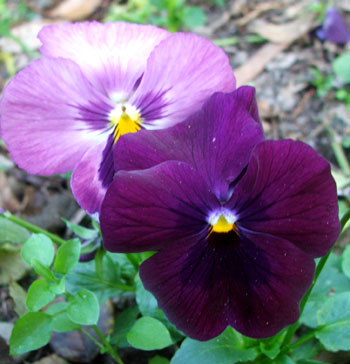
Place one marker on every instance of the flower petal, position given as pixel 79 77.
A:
pixel 254 284
pixel 89 183
pixel 113 56
pixel 181 73
pixel 50 116
pixel 146 210
pixel 334 28
pixel 288 191
pixel 217 140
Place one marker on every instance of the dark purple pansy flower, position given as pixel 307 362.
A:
pixel 96 82
pixel 236 220
pixel 334 28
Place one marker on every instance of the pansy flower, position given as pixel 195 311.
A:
pixel 97 82
pixel 236 221
pixel 334 28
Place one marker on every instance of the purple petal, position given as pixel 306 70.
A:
pixel 181 73
pixel 288 191
pixel 217 140
pixel 254 284
pixel 88 185
pixel 147 210
pixel 50 116
pixel 113 56
pixel 334 28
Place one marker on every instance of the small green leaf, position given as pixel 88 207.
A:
pixel 84 308
pixel 335 316
pixel 149 334
pixel 81 231
pixel 11 235
pixel 158 360
pixel 30 332
pixel 346 261
pixel 67 256
pixel 341 66
pixel 123 324
pixel 270 350
pixel 43 271
pixel 38 247
pixel 60 319
pixel 19 296
pixel 228 348
pixel 39 295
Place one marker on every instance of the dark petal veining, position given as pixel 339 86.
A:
pixel 288 191
pixel 217 140
pixel 147 210
pixel 253 284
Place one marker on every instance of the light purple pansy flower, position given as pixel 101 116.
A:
pixel 334 28
pixel 236 221
pixel 96 82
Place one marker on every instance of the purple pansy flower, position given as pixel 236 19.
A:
pixel 96 82
pixel 334 28
pixel 236 221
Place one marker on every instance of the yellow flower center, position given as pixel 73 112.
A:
pixel 125 119
pixel 222 222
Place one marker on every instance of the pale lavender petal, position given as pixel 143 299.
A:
pixel 181 73
pixel 89 185
pixel 288 191
pixel 50 116
pixel 113 56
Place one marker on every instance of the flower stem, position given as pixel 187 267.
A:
pixel 91 338
pixel 33 228
pixel 320 266
pixel 107 346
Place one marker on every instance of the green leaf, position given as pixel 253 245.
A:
pixel 19 296
pixel 67 256
pixel 147 303
pixel 30 332
pixel 193 16
pixel 38 247
pixel 60 320
pixel 270 350
pixel 84 308
pixel 12 267
pixel 148 333
pixel 81 231
pixel 346 261
pixel 158 360
pixel 341 66
pixel 284 359
pixel 83 275
pixel 123 324
pixel 228 348
pixel 39 295
pixel 335 315
pixel 43 271
pixel 11 235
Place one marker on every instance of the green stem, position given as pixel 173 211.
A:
pixel 310 335
pixel 107 345
pixel 92 338
pixel 341 157
pixel 133 260
pixel 320 266
pixel 33 228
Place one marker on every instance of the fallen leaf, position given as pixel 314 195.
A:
pixel 74 9
pixel 6 330
pixel 256 64
pixel 25 33
pixel 51 359
pixel 282 33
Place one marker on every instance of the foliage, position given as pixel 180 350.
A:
pixel 173 14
